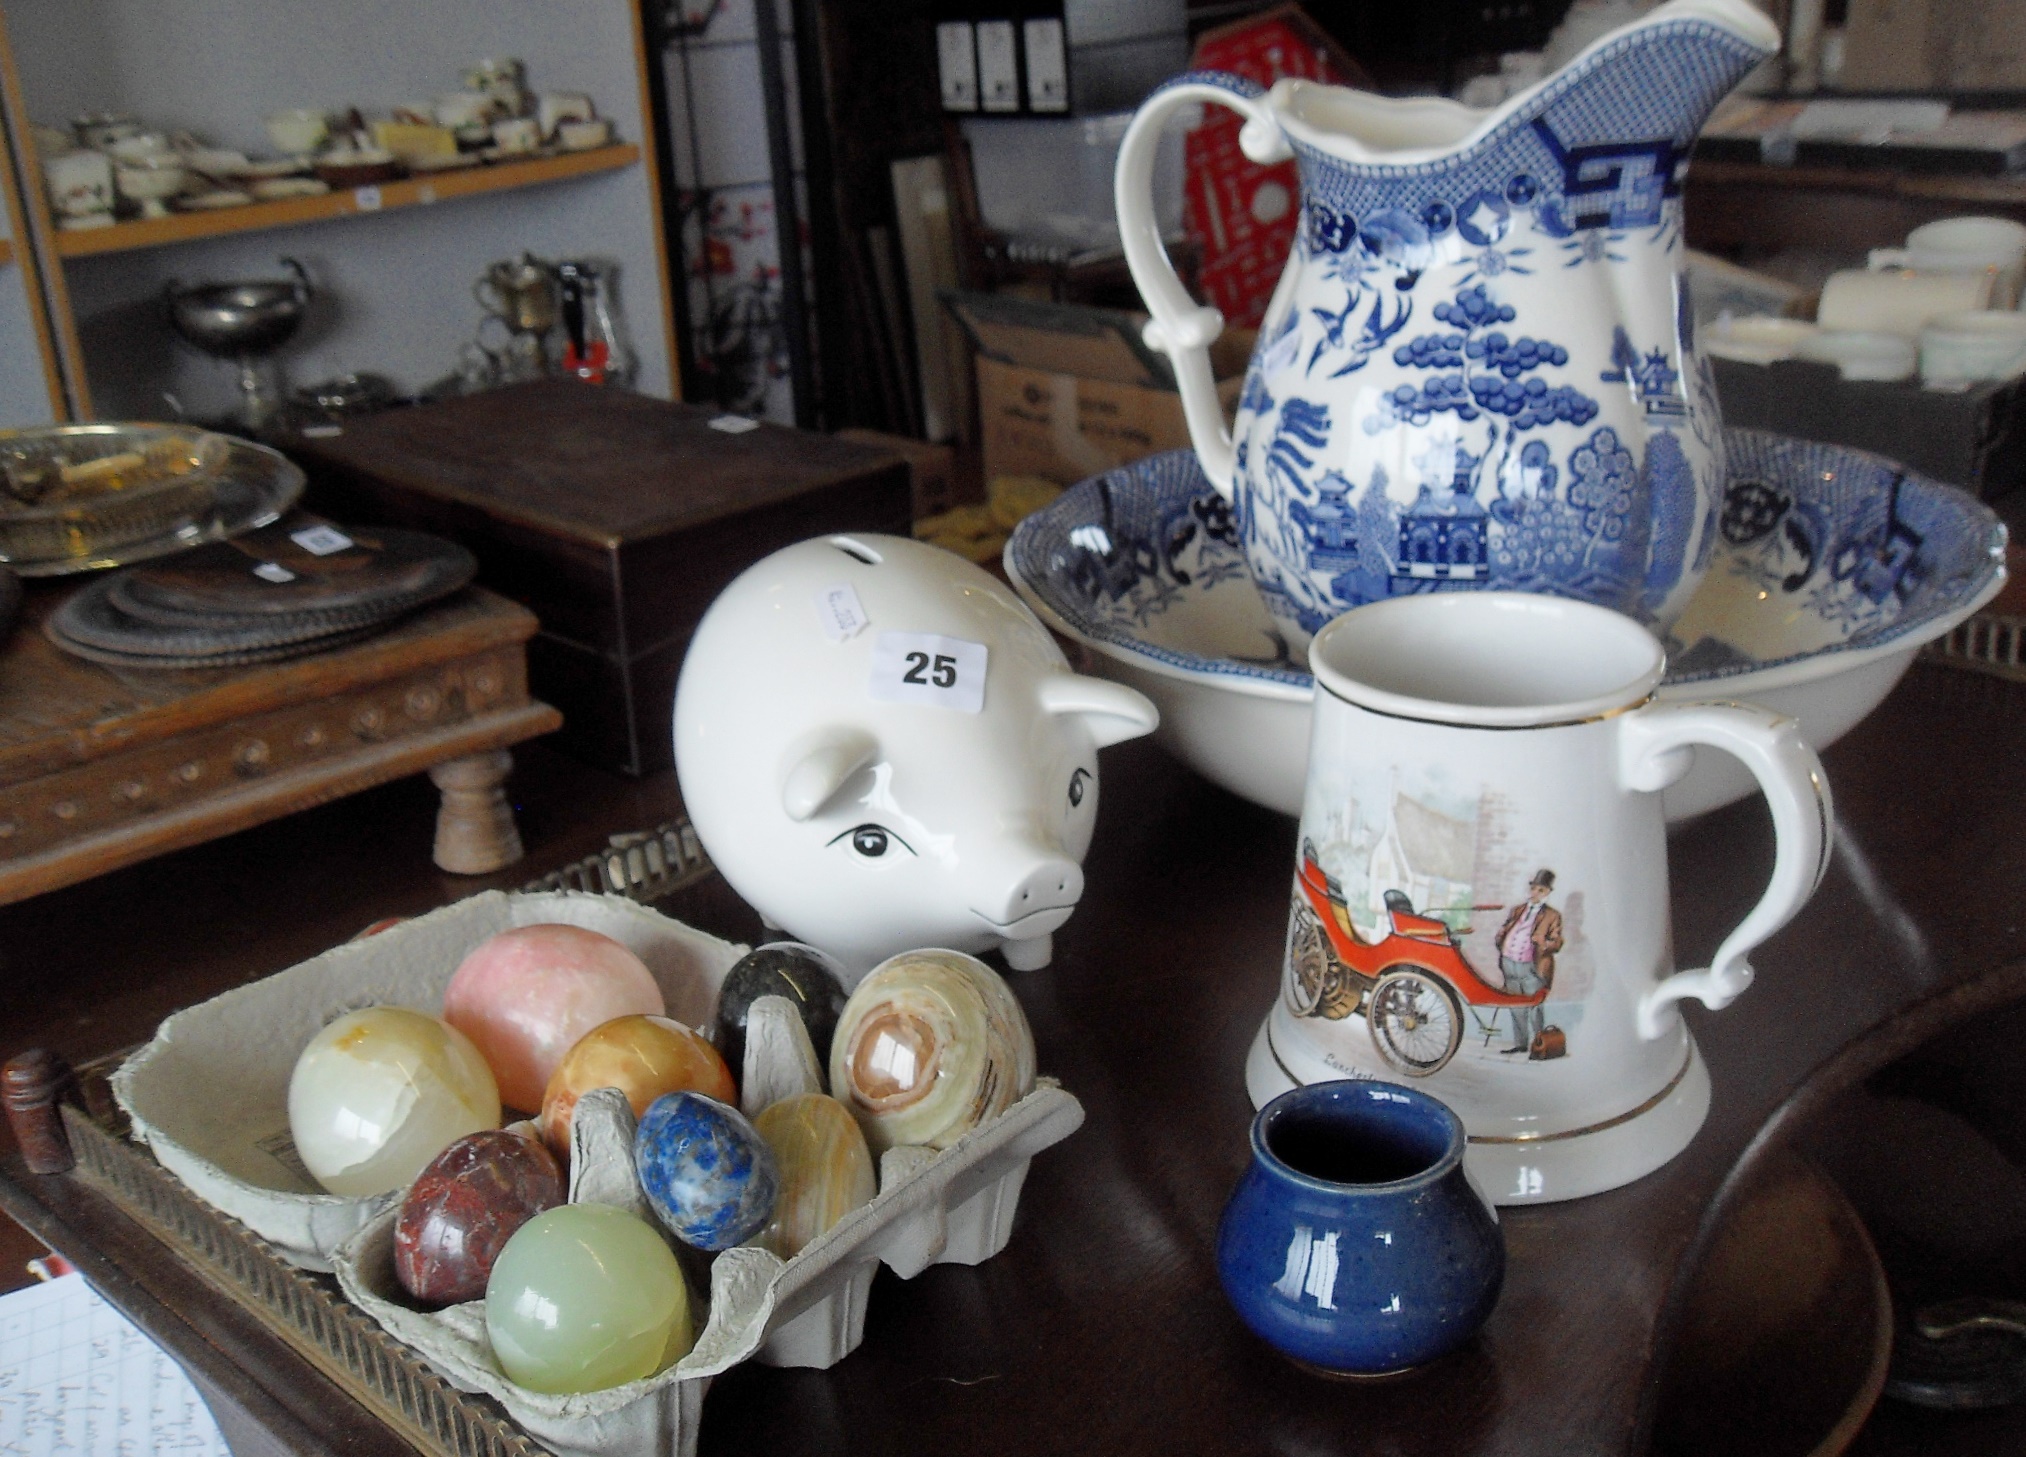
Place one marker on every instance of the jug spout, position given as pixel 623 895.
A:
pixel 1655 80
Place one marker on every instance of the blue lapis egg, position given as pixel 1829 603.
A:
pixel 707 1172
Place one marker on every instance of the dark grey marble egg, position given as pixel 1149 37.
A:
pixel 811 980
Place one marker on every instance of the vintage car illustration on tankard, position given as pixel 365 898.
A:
pixel 1412 983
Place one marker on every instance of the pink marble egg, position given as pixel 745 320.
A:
pixel 527 995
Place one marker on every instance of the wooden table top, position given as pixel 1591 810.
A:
pixel 58 710
pixel 1101 1328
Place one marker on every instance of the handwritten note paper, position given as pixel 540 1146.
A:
pixel 76 1376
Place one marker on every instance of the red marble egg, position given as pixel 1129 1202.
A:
pixel 463 1208
pixel 527 995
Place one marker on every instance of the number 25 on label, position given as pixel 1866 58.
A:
pixel 920 667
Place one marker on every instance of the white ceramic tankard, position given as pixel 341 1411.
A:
pixel 1480 904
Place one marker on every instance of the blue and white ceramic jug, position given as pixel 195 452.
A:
pixel 1479 368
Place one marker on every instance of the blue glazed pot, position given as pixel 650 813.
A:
pixel 1354 1244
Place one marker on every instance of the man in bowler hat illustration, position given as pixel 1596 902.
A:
pixel 1527 944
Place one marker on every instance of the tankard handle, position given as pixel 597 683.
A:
pixel 1178 326
pixel 1653 749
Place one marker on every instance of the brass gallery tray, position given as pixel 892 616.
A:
pixel 306 1310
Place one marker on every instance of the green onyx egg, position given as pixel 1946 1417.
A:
pixel 584 1297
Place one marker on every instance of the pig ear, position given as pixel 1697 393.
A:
pixel 822 768
pixel 1113 711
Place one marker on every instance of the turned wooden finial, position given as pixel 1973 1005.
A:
pixel 475 830
pixel 32 1086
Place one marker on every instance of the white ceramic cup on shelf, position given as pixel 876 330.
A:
pixel 581 136
pixel 1861 355
pixel 462 108
pixel 80 188
pixel 136 150
pixel 151 181
pixel 1962 349
pixel 517 134
pixel 1896 301
pixel 298 132
pixel 1480 900
pixel 1995 247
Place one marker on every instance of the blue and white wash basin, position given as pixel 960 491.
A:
pixel 1832 567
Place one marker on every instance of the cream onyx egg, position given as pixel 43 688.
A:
pixel 380 1092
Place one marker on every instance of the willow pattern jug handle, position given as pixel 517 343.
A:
pixel 1178 326
pixel 1653 748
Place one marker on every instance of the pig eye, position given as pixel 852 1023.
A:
pixel 872 841
pixel 1077 783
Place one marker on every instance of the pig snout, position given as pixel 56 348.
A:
pixel 1032 898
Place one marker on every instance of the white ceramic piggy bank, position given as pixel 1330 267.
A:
pixel 883 749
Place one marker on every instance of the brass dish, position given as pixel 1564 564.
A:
pixel 77 498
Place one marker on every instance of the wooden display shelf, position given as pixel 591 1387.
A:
pixel 2007 191
pixel 343 202
pixel 6 251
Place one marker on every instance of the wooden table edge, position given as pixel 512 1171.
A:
pixel 268 799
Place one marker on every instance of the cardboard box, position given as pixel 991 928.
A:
pixel 1066 392
pixel 1974 438
pixel 932 469
pixel 1242 214
pixel 1934 46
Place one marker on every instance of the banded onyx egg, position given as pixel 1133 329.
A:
pixel 825 1168
pixel 931 1045
pixel 380 1092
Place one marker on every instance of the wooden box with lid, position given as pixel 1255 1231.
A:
pixel 615 517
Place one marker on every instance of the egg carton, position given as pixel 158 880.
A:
pixel 953 1206
pixel 209 1095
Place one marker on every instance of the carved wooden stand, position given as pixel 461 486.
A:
pixel 101 767
pixel 475 829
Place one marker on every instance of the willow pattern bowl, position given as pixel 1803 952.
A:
pixel 1830 568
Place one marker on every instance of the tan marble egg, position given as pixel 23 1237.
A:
pixel 931 1045
pixel 826 1169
